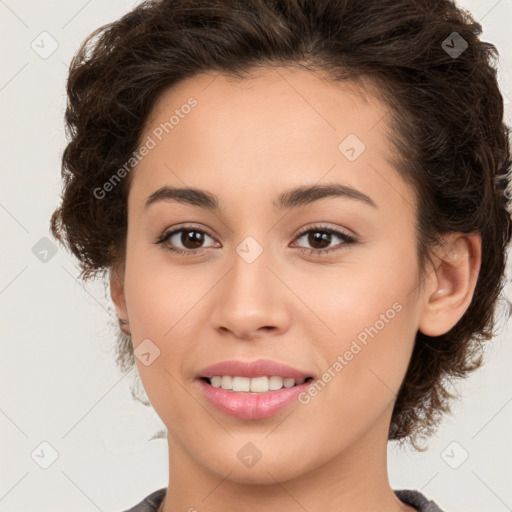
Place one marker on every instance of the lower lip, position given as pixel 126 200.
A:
pixel 252 406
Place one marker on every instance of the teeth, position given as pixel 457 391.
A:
pixel 258 385
pixel 226 382
pixel 275 383
pixel 254 385
pixel 241 384
pixel 216 382
pixel 288 383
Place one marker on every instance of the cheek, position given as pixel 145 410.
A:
pixel 153 290
pixel 364 364
pixel 372 314
pixel 160 307
pixel 363 297
pixel 163 303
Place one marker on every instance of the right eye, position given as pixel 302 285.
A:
pixel 190 238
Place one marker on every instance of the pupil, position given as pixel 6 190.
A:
pixel 319 236
pixel 196 240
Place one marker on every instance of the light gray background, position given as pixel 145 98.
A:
pixel 59 383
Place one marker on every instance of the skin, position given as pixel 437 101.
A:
pixel 246 142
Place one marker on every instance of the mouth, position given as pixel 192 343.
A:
pixel 252 389
pixel 254 385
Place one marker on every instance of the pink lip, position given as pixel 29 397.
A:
pixel 258 368
pixel 252 406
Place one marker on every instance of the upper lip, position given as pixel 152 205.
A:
pixel 257 368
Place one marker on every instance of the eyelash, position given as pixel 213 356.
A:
pixel 347 240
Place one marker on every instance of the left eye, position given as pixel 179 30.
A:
pixel 322 235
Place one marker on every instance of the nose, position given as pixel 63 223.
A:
pixel 250 300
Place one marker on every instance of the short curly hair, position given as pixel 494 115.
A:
pixel 437 78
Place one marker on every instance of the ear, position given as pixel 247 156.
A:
pixel 117 295
pixel 451 284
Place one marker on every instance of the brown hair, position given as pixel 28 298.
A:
pixel 445 110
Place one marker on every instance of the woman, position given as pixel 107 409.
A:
pixel 301 208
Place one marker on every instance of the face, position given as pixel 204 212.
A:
pixel 325 283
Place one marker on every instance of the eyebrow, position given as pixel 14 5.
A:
pixel 293 198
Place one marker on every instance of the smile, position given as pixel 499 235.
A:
pixel 263 384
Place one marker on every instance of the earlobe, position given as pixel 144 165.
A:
pixel 454 277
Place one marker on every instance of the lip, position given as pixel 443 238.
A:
pixel 257 368
pixel 252 406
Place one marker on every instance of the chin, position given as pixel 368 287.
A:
pixel 260 473
pixel 247 464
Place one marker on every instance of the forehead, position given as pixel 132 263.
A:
pixel 281 97
pixel 278 128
